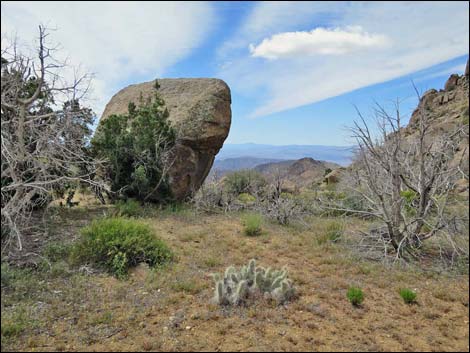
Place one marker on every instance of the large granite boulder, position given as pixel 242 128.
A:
pixel 199 111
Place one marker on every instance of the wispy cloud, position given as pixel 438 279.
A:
pixel 319 41
pixel 118 41
pixel 395 39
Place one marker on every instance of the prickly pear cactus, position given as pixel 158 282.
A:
pixel 235 287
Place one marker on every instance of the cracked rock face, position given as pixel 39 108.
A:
pixel 199 111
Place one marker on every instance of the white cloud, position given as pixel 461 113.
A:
pixel 319 41
pixel 419 35
pixel 117 40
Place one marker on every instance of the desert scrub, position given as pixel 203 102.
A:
pixel 128 208
pixel 252 224
pixel 246 198
pixel 408 295
pixel 116 244
pixel 333 233
pixel 237 287
pixel 57 251
pixel 355 296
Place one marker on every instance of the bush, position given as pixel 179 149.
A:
pixel 282 208
pixel 56 251
pixel 355 296
pixel 244 181
pixel 7 275
pixel 246 198
pixel 137 148
pixel 116 244
pixel 408 295
pixel 252 224
pixel 334 231
pixel 128 208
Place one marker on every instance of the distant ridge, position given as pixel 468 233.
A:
pixel 341 155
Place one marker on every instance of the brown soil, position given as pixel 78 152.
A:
pixel 169 310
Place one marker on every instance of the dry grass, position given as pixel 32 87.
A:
pixel 169 310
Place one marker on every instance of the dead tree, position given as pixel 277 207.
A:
pixel 44 134
pixel 404 178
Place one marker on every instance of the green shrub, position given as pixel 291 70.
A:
pixel 57 251
pixel 15 322
pixel 135 146
pixel 7 275
pixel 244 181
pixel 12 329
pixel 355 296
pixel 246 198
pixel 252 223
pixel 408 295
pixel 116 244
pixel 128 208
pixel 409 199
pixel 334 231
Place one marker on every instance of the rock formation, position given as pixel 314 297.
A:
pixel 200 113
pixel 448 110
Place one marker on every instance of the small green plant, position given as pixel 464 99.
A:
pixel 244 181
pixel 236 287
pixel 410 199
pixel 246 198
pixel 116 244
pixel 252 224
pixel 408 295
pixel 14 323
pixel 12 329
pixel 57 251
pixel 128 208
pixel 355 296
pixel 334 231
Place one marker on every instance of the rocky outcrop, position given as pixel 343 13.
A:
pixel 199 111
pixel 448 110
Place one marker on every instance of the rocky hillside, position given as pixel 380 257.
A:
pixel 297 173
pixel 448 110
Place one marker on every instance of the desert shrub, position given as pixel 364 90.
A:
pixel 252 223
pixel 334 231
pixel 237 287
pixel 12 329
pixel 128 208
pixel 212 197
pixel 409 201
pixel 56 251
pixel 7 275
pixel 408 295
pixel 244 181
pixel 116 244
pixel 246 198
pixel 283 209
pixel 137 149
pixel 355 296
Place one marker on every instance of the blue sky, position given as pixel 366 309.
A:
pixel 296 70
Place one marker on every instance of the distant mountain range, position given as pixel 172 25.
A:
pixel 245 162
pixel 341 155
